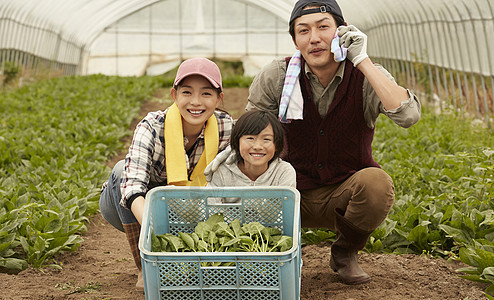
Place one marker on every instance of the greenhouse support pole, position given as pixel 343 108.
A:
pixel 403 54
pixel 150 36
pixel 484 91
pixel 451 60
pixel 20 44
pixel 444 63
pixel 16 45
pixel 475 95
pixel 464 68
pixel 408 46
pixel 246 18
pixel 462 61
pixel 116 49
pixel 27 53
pixel 214 27
pixel 429 64
pixel 389 29
pixel 491 66
pixel 474 81
pixel 492 93
pixel 486 106
pixel 35 48
pixel 2 60
pixel 436 72
pixel 8 54
pixel 55 54
pixel 30 60
pixel 414 23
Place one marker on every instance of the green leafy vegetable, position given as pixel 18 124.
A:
pixel 215 235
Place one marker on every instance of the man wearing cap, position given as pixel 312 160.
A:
pixel 328 96
pixel 170 147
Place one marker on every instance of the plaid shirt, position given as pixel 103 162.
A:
pixel 145 166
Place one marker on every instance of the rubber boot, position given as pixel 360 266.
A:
pixel 132 232
pixel 349 240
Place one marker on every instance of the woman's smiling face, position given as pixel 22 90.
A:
pixel 196 100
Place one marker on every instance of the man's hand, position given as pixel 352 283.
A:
pixel 356 42
pixel 218 160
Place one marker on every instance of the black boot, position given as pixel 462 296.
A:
pixel 349 241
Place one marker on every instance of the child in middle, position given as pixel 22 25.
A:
pixel 256 143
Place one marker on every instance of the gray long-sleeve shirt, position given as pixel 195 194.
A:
pixel 279 173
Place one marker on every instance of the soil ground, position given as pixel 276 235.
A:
pixel 103 267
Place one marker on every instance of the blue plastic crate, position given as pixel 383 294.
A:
pixel 261 276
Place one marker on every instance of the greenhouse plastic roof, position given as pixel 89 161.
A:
pixel 81 21
pixel 455 33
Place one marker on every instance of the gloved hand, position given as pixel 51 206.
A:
pixel 223 156
pixel 356 42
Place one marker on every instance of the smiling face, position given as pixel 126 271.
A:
pixel 257 151
pixel 313 35
pixel 196 100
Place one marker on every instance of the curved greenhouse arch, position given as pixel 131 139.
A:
pixel 169 31
pixel 444 50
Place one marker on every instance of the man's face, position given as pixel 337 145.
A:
pixel 313 36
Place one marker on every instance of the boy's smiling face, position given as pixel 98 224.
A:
pixel 196 100
pixel 257 151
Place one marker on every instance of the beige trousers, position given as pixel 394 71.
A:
pixel 365 198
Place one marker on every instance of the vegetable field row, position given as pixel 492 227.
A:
pixel 443 171
pixel 55 137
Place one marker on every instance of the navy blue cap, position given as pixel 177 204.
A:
pixel 329 6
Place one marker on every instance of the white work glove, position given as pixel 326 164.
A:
pixel 223 156
pixel 356 42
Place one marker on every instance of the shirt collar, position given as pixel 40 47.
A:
pixel 200 136
pixel 338 76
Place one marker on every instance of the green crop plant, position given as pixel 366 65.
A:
pixel 443 171
pixel 55 137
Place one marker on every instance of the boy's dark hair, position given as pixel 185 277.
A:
pixel 338 19
pixel 252 123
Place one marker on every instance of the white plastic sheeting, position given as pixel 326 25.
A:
pixel 454 34
pixel 128 36
pixel 125 37
pixel 443 48
pixel 160 35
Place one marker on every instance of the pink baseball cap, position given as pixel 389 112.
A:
pixel 199 66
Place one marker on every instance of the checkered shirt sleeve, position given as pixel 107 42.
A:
pixel 145 165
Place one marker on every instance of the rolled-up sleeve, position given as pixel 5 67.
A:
pixel 406 115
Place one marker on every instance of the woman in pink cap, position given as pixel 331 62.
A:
pixel 170 147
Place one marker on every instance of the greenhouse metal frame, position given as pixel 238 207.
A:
pixel 441 49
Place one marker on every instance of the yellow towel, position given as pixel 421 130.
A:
pixel 176 165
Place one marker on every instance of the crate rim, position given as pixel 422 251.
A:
pixel 289 252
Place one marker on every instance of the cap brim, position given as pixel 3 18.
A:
pixel 213 83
